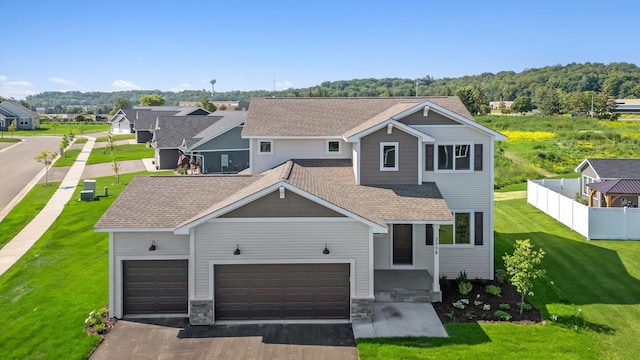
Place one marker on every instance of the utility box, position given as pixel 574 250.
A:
pixel 90 185
pixel 87 195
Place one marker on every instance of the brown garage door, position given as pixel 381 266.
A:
pixel 155 287
pixel 282 291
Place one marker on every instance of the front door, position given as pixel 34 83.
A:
pixel 402 244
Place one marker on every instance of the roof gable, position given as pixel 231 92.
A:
pixel 612 168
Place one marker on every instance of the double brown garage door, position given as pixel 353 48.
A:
pixel 282 291
pixel 155 287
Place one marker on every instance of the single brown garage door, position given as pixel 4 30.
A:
pixel 155 287
pixel 282 291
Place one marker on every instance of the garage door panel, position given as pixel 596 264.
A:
pixel 282 291
pixel 155 286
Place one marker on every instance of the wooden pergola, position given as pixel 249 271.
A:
pixel 612 190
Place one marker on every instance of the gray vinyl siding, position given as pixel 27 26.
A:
pixel 229 140
pixel 287 149
pixel 271 205
pixel 370 173
pixel 282 242
pixel 417 118
pixel 142 136
pixel 238 161
pixel 135 245
pixel 474 260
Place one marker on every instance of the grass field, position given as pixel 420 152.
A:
pixel 592 287
pixel 9 139
pixel 68 159
pixel 48 293
pixel 51 128
pixel 122 153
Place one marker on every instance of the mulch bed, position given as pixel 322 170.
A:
pixel 475 313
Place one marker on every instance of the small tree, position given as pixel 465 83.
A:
pixel 64 143
pixel 523 267
pixel 46 157
pixel 207 105
pixel 112 147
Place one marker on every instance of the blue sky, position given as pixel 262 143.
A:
pixel 245 45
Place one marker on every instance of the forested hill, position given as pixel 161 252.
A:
pixel 619 80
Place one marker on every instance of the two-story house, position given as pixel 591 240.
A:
pixel 340 194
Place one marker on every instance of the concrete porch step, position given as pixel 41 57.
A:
pixel 402 295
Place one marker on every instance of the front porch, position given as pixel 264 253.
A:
pixel 405 286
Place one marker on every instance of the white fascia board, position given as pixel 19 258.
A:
pixel 116 230
pixel 420 222
pixel 329 137
pixel 184 230
pixel 409 130
pixel 582 163
pixel 450 114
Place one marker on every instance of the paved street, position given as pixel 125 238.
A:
pixel 17 164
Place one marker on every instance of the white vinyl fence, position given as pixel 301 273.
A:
pixel 555 198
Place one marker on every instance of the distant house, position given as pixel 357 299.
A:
pixel 628 106
pixel 213 142
pixel 14 112
pixel 495 105
pixel 610 182
pixel 141 119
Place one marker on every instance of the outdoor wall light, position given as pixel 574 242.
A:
pixel 153 246
pixel 237 251
pixel 326 250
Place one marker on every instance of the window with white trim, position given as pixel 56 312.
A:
pixel 388 156
pixel 333 147
pixel 460 233
pixel 265 147
pixel 586 180
pixel 454 157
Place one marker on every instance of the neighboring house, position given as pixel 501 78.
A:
pixel 495 105
pixel 213 141
pixel 14 112
pixel 610 182
pixel 340 194
pixel 141 119
pixel 628 106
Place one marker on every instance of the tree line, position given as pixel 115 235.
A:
pixel 552 89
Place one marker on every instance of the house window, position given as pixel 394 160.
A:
pixel 459 233
pixel 265 147
pixel 454 157
pixel 586 180
pixel 333 147
pixel 388 156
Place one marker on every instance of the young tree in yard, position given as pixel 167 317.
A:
pixel 112 147
pixel 64 143
pixel 151 100
pixel 207 105
pixel 46 157
pixel 523 267
pixel 12 128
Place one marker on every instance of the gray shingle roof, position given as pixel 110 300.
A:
pixel 228 120
pixel 18 110
pixel 327 116
pixel 619 186
pixel 616 168
pixel 169 131
pixel 330 180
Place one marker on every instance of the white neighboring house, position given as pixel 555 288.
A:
pixel 340 193
pixel 14 112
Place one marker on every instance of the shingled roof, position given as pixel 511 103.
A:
pixel 329 180
pixel 613 168
pixel 619 186
pixel 331 116
pixel 170 131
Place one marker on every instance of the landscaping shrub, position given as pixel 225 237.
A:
pixel 464 287
pixel 462 277
pixel 505 307
pixel 493 290
pixel 524 306
pixel 502 315
pixel 501 275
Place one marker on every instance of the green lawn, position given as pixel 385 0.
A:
pixel 53 128
pixel 68 159
pixel 598 280
pixel 122 152
pixel 46 296
pixel 26 210
pixel 9 139
pixel 116 137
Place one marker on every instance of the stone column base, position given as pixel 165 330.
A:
pixel 361 310
pixel 201 312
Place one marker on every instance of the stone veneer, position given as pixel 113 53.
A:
pixel 362 310
pixel 201 312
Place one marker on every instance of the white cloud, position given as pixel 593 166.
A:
pixel 124 85
pixel 61 81
pixel 282 85
pixel 15 89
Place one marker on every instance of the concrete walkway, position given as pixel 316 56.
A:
pixel 401 319
pixel 22 242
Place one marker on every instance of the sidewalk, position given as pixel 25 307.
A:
pixel 20 244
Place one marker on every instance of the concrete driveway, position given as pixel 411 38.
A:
pixel 176 339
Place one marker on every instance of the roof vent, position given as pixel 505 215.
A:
pixel 425 111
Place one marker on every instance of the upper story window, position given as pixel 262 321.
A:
pixel 265 147
pixel 454 157
pixel 388 156
pixel 333 147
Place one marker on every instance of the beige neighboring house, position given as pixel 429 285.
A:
pixel 340 194
pixel 495 105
